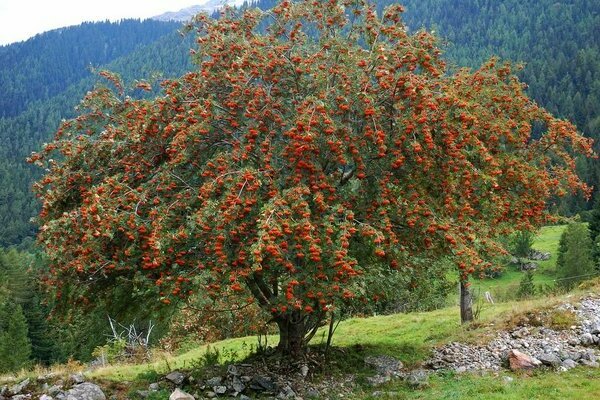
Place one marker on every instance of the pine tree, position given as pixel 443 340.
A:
pixel 574 263
pixel 526 286
pixel 15 346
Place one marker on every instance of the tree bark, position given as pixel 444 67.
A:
pixel 466 303
pixel 291 335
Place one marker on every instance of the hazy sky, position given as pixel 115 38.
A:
pixel 21 19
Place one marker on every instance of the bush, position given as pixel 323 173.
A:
pixel 526 286
pixel 521 242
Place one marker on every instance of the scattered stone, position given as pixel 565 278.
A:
pixel 154 387
pixel 232 370
pixel 568 364
pixel 21 397
pixel 76 379
pixel 179 394
pixel 385 365
pixel 520 333
pixel 508 379
pixel 519 361
pixel 143 393
pixel 460 370
pixel 85 391
pixel 549 359
pixel 418 379
pixel 589 363
pixel 54 390
pixel 263 383
pixel 244 397
pixel 216 381
pixel 46 397
pixel 211 394
pixel 286 393
pixel 304 370
pixel 220 389
pixel 237 385
pixel 18 388
pixel 378 380
pixel 313 393
pixel 586 339
pixel 175 377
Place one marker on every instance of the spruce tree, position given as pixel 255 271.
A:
pixel 574 263
pixel 15 346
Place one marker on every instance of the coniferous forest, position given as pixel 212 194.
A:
pixel 43 79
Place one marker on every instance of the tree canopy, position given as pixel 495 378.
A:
pixel 292 166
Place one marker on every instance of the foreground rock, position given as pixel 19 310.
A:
pixel 559 349
pixel 83 391
pixel 179 394
pixel 521 361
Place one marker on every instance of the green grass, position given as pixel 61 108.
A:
pixel 580 383
pixel 507 284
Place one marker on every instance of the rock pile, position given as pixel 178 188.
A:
pixel 530 346
pixel 79 390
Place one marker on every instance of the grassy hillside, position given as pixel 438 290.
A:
pixel 409 337
pixel 507 284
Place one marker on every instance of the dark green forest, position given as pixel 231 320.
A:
pixel 43 79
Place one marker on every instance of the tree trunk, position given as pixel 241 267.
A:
pixel 466 303
pixel 291 335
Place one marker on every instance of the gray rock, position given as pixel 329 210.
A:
pixel 143 393
pixel 520 333
pixel 3 390
pixel 244 397
pixel 21 397
pixel 263 383
pixel 304 370
pixel 237 385
pixel 378 380
pixel 85 391
pixel 286 393
pixel 508 379
pixel 211 394
pixel 385 365
pixel 18 388
pixel 175 377
pixel 54 390
pixel 154 387
pixel 549 359
pixel 586 339
pixel 595 328
pixel 216 381
pixel 232 370
pixel 418 379
pixel 589 363
pixel 76 379
pixel 179 394
pixel 313 393
pixel 568 364
pixel 220 389
pixel 46 397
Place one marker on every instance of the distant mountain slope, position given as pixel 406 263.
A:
pixel 43 79
pixel 210 6
pixel 167 56
pixel 47 64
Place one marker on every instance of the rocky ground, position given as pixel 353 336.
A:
pixel 531 344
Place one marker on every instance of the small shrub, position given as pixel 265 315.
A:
pixel 521 242
pixel 526 286
pixel 561 319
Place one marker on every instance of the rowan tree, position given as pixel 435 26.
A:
pixel 294 165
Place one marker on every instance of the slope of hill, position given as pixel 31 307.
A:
pixel 150 52
pixel 187 13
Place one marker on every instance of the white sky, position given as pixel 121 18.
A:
pixel 21 19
